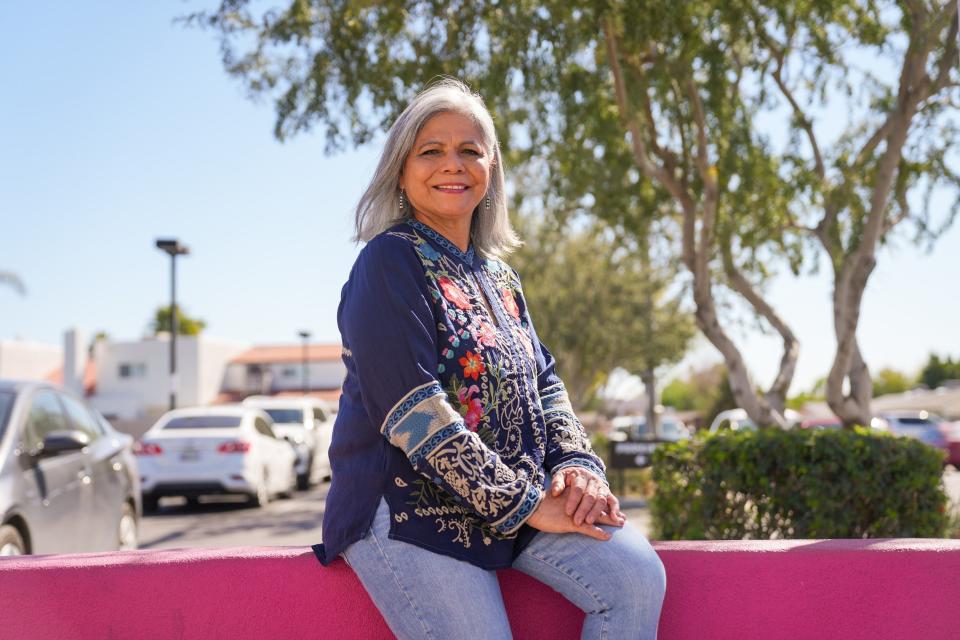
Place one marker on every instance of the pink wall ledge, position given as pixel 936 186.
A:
pixel 850 589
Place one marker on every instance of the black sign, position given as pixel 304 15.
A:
pixel 632 454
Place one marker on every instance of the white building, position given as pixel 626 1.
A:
pixel 133 378
pixel 28 360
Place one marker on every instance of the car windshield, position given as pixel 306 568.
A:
pixel 6 401
pixel 286 415
pixel 670 428
pixel 203 422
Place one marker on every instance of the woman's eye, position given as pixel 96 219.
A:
pixel 472 152
pixel 430 152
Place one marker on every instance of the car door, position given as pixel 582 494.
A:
pixel 54 486
pixel 103 497
pixel 323 432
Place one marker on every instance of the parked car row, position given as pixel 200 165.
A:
pixel 70 482
pixel 261 449
pixel 921 425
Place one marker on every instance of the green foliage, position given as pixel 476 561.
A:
pixel 890 381
pixel 597 306
pixel 798 484
pixel 937 370
pixel 814 394
pixel 706 391
pixel 186 326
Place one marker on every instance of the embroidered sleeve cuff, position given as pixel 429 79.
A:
pixel 585 461
pixel 531 500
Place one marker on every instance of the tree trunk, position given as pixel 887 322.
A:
pixel 650 388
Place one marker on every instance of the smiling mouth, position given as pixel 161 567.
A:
pixel 451 188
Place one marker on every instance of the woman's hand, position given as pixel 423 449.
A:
pixel 551 517
pixel 588 498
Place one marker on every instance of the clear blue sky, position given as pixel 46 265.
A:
pixel 118 127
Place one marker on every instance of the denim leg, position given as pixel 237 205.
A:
pixel 618 583
pixel 422 594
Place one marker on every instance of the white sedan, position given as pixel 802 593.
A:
pixel 214 450
pixel 307 423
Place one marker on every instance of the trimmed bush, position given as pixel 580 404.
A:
pixel 798 484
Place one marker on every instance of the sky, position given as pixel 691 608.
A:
pixel 118 127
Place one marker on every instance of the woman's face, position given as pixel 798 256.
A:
pixel 446 173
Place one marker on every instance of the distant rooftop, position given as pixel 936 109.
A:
pixel 289 354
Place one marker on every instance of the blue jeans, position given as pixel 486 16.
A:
pixel 618 583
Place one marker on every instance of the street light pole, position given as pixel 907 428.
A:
pixel 173 248
pixel 306 376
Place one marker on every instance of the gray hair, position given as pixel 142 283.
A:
pixel 379 207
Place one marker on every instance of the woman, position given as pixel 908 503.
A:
pixel 452 420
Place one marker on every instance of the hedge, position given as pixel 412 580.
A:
pixel 798 484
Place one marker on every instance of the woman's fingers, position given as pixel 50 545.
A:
pixel 557 484
pixel 613 505
pixel 612 520
pixel 598 509
pixel 593 531
pixel 578 487
pixel 587 501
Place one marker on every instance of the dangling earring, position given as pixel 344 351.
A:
pixel 487 203
pixel 402 205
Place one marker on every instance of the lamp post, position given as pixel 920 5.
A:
pixel 173 248
pixel 306 378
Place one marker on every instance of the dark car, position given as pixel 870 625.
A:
pixel 68 481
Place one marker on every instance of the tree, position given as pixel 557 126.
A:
pixel 597 306
pixel 683 98
pixel 11 280
pixel 938 370
pixel 186 326
pixel 890 381
pixel 97 337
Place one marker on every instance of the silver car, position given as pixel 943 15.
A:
pixel 68 481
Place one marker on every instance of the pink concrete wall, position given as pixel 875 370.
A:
pixel 774 590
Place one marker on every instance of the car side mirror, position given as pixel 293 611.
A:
pixel 58 442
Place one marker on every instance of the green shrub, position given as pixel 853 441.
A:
pixel 798 484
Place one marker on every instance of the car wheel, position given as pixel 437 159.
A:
pixel 262 497
pixel 151 504
pixel 303 482
pixel 127 530
pixel 11 544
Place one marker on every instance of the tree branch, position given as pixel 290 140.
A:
pixel 805 123
pixel 629 119
pixel 791 345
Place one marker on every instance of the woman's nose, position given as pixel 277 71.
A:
pixel 452 162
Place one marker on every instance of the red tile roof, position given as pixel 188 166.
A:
pixel 289 353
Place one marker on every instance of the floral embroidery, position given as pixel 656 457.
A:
pixel 486 335
pixel 454 294
pixel 472 406
pixel 472 365
pixel 510 303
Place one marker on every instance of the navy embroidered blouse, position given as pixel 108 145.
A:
pixel 451 409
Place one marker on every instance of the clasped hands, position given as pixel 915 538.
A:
pixel 577 502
